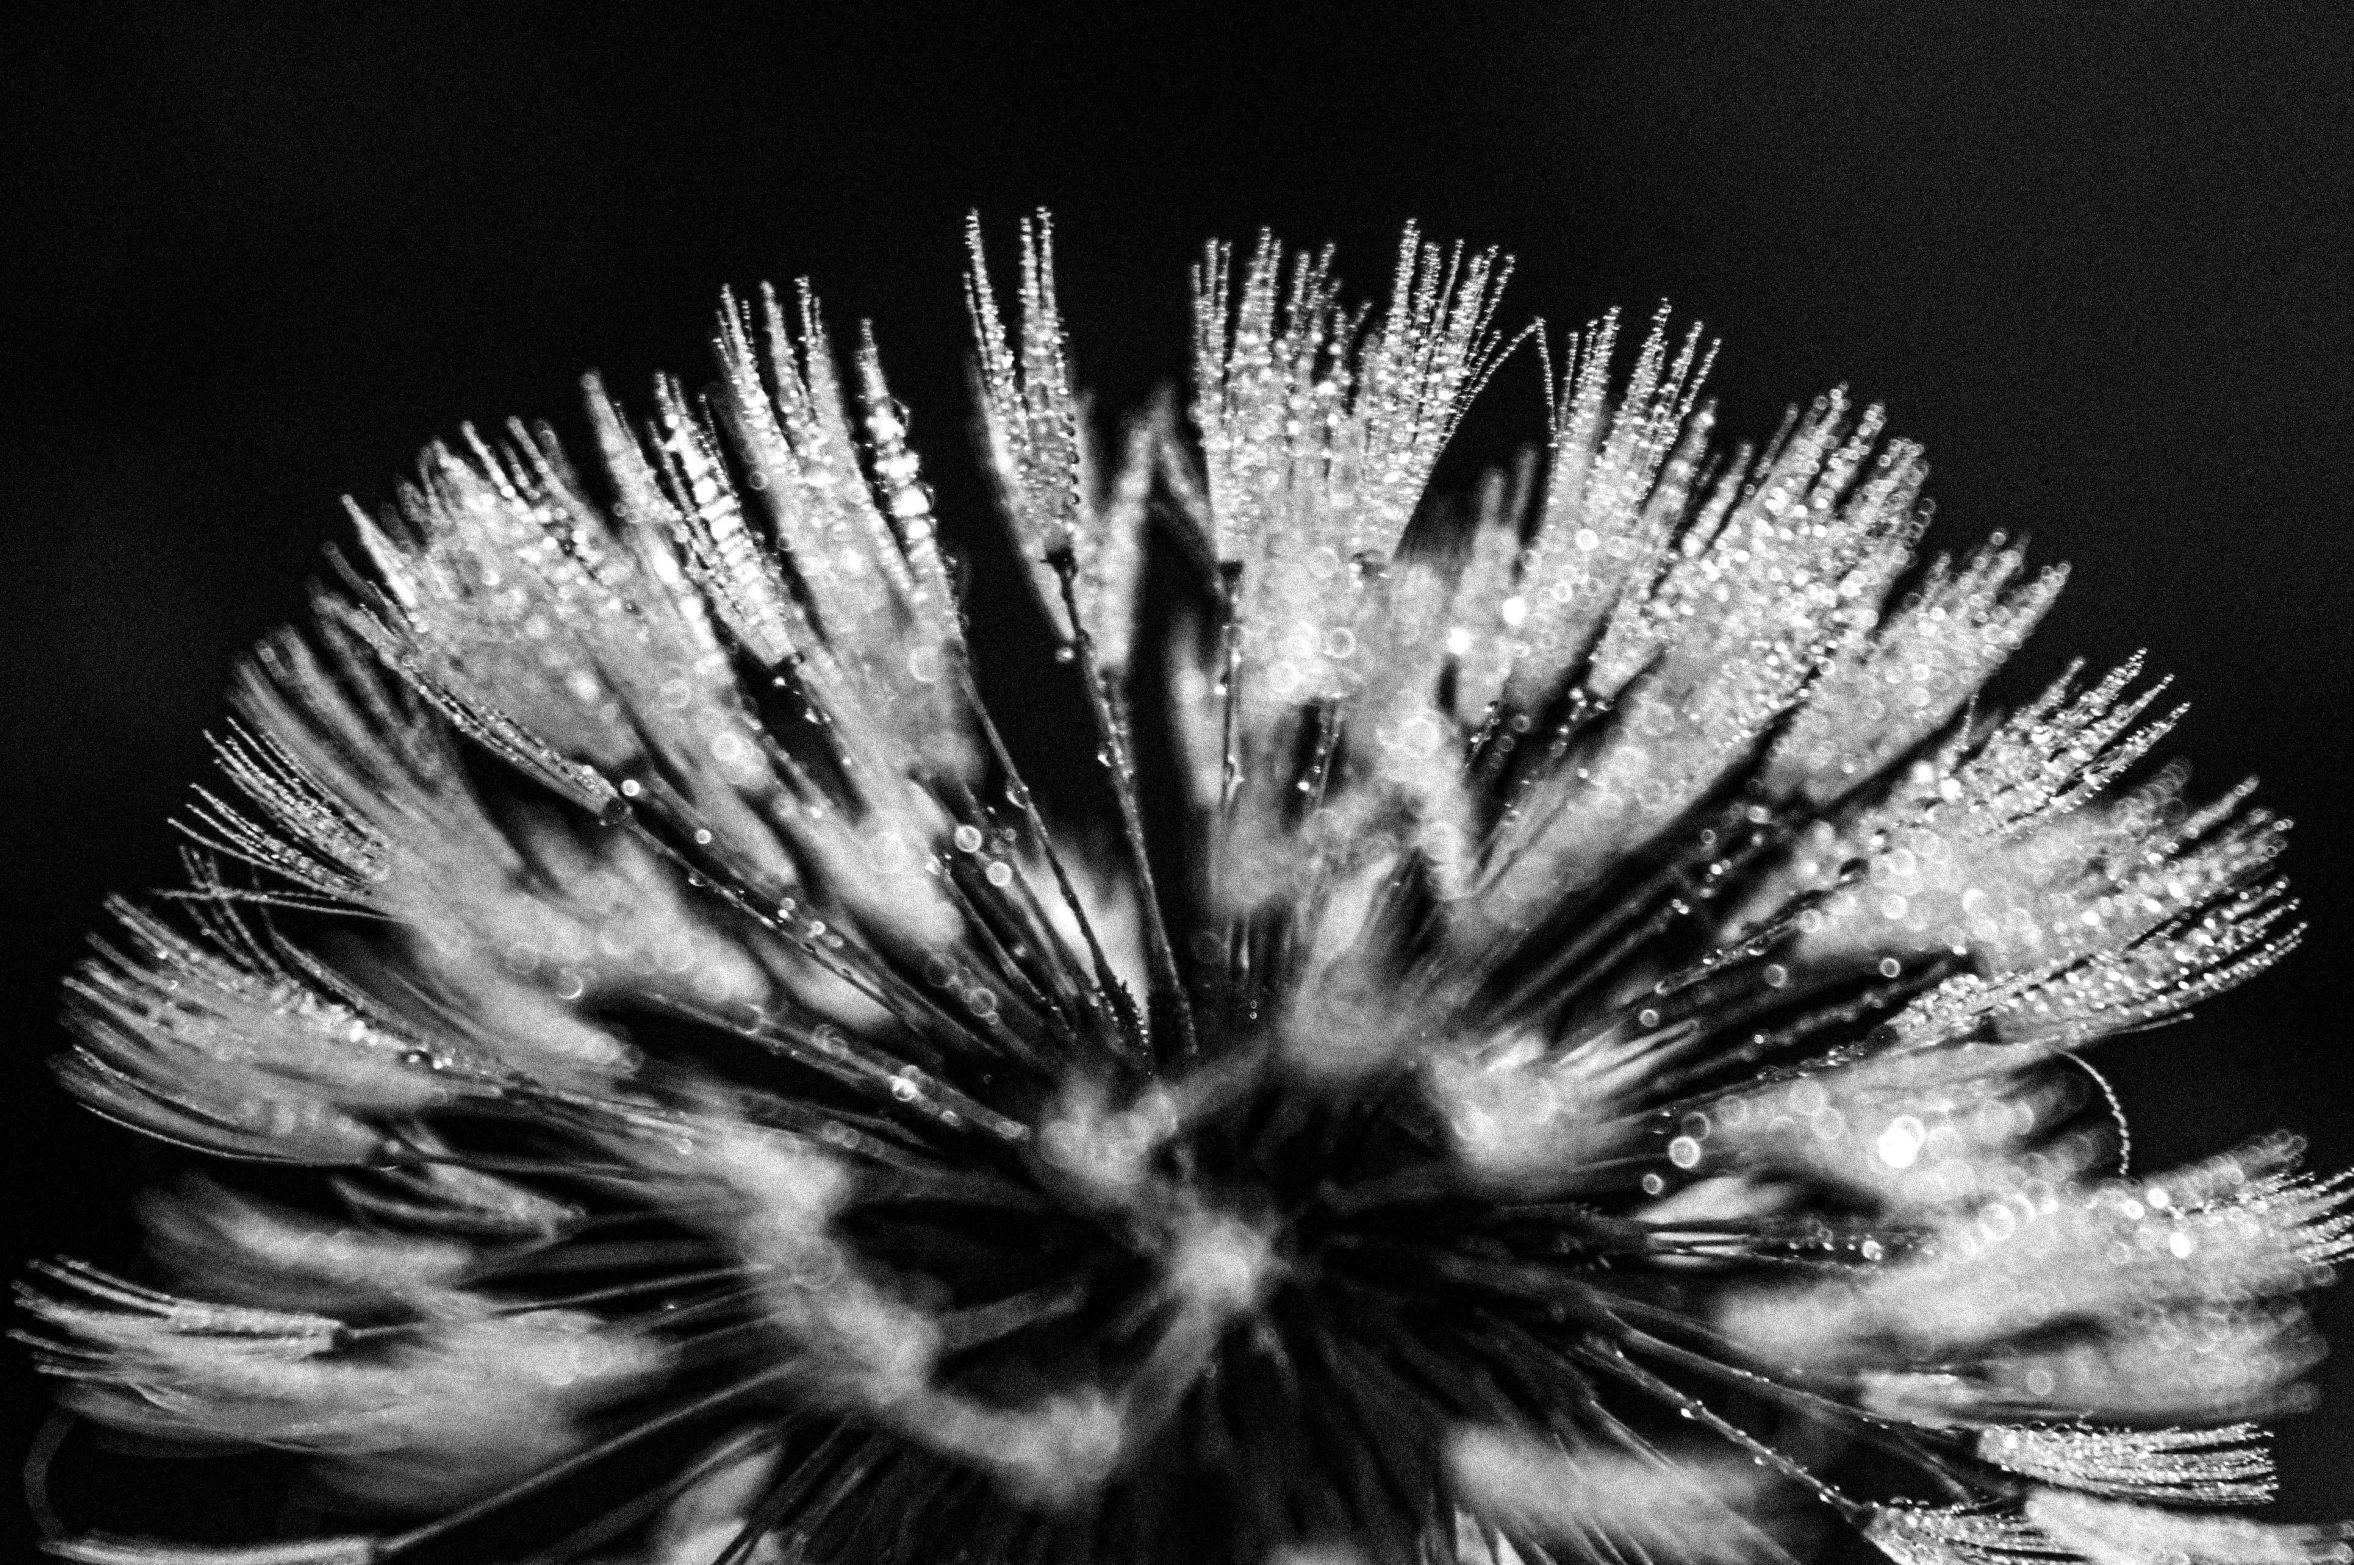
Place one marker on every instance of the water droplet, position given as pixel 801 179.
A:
pixel 1900 1144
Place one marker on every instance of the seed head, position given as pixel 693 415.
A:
pixel 1566 1021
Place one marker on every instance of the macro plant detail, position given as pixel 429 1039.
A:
pixel 1564 1040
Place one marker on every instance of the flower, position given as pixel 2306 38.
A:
pixel 1579 1026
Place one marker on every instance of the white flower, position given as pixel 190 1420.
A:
pixel 1600 962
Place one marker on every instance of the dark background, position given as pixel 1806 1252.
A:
pixel 2096 257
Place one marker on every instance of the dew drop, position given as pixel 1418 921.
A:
pixel 1900 1144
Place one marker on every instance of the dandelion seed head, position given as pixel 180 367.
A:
pixel 1545 1024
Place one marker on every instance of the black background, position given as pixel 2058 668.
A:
pixel 2097 257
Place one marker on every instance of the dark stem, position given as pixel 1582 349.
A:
pixel 1611 1359
pixel 1116 757
pixel 1107 983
